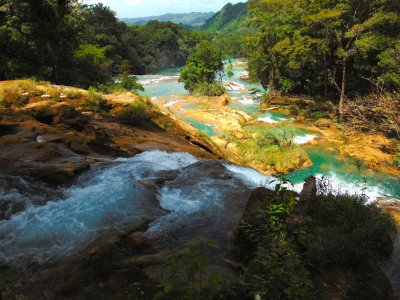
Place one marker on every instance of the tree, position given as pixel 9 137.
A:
pixel 338 49
pixel 203 68
pixel 37 38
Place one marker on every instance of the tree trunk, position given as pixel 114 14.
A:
pixel 271 81
pixel 342 90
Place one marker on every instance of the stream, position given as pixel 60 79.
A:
pixel 344 173
pixel 197 198
pixel 193 198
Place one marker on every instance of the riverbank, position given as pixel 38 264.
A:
pixel 92 206
pixel 228 126
pixel 373 149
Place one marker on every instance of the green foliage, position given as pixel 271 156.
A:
pixel 259 149
pixel 160 45
pixel 228 136
pixel 389 63
pixel 188 277
pixel 95 101
pixel 131 84
pixel 230 18
pixel 208 89
pixel 18 93
pixel 203 66
pixel 38 38
pixel 274 267
pixel 397 157
pixel 133 114
pixel 300 250
pixel 7 277
pixel 91 54
pixel 311 47
pixel 347 232
pixel 125 84
pixel 282 136
pixel 72 94
pixel 84 45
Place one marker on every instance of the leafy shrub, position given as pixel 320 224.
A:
pixel 347 231
pixel 131 84
pixel 228 137
pixel 265 152
pixel 299 253
pixel 208 89
pixel 281 136
pixel 96 101
pixel 187 278
pixel 126 84
pixel 285 85
pixel 72 94
pixel 345 235
pixel 133 114
pixel 274 266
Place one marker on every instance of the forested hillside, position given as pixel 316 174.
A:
pixel 69 43
pixel 230 18
pixel 194 19
pixel 229 28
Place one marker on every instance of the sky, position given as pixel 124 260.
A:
pixel 144 8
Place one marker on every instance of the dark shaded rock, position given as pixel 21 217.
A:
pixel 15 148
pixel 148 259
pixel 66 114
pixel 57 172
pixel 309 189
pixel 259 199
pixel 139 240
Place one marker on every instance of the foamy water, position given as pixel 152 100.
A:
pixel 155 79
pixel 202 199
pixel 246 100
pixel 304 139
pixel 171 103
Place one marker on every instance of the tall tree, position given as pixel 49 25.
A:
pixel 325 48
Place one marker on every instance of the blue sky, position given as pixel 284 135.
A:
pixel 144 8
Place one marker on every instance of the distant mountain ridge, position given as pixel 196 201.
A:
pixel 230 18
pixel 194 19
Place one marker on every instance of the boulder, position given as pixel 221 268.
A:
pixel 309 190
pixel 259 199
